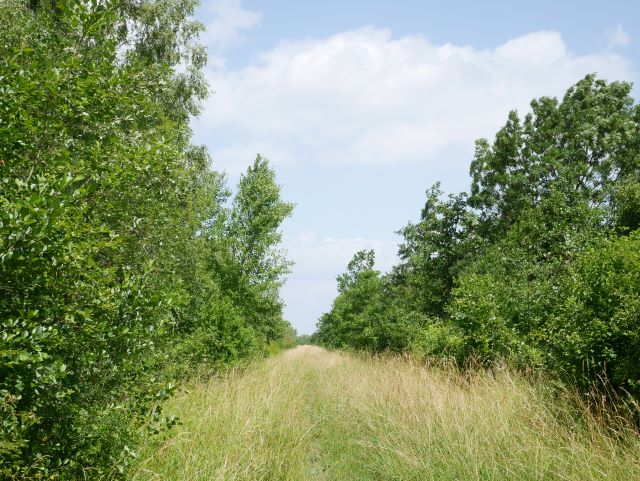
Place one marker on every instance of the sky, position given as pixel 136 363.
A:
pixel 361 106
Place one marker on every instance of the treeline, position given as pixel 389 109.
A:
pixel 124 260
pixel 539 263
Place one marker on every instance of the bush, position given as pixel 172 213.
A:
pixel 438 339
pixel 538 264
pixel 112 228
pixel 596 330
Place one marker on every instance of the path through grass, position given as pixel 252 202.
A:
pixel 309 414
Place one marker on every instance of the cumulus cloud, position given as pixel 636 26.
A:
pixel 617 37
pixel 228 19
pixel 366 97
pixel 311 286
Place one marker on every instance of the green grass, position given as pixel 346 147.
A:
pixel 309 414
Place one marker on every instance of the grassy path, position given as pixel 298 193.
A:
pixel 310 414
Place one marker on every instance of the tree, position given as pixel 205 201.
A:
pixel 577 149
pixel 349 323
pixel 109 220
pixel 251 265
pixel 537 264
pixel 433 250
pixel 363 315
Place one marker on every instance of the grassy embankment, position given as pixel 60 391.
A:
pixel 310 414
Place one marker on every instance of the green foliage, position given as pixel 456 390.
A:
pixel 627 204
pixel 577 149
pixel 304 340
pixel 433 252
pixel 503 299
pixel 360 317
pixel 349 323
pixel 290 338
pixel 435 339
pixel 595 330
pixel 537 265
pixel 253 268
pixel 110 226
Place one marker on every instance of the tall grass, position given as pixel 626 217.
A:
pixel 309 414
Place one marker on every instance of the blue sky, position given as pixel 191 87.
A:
pixel 361 106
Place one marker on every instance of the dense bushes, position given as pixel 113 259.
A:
pixel 597 319
pixel 538 263
pixel 123 260
pixel 361 317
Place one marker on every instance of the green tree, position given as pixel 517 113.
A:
pixel 433 250
pixel 536 264
pixel 577 149
pixel 109 220
pixel 251 265
pixel 362 316
pixel 347 324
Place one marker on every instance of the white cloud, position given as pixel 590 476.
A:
pixel 365 97
pixel 617 37
pixel 317 257
pixel 311 286
pixel 229 18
